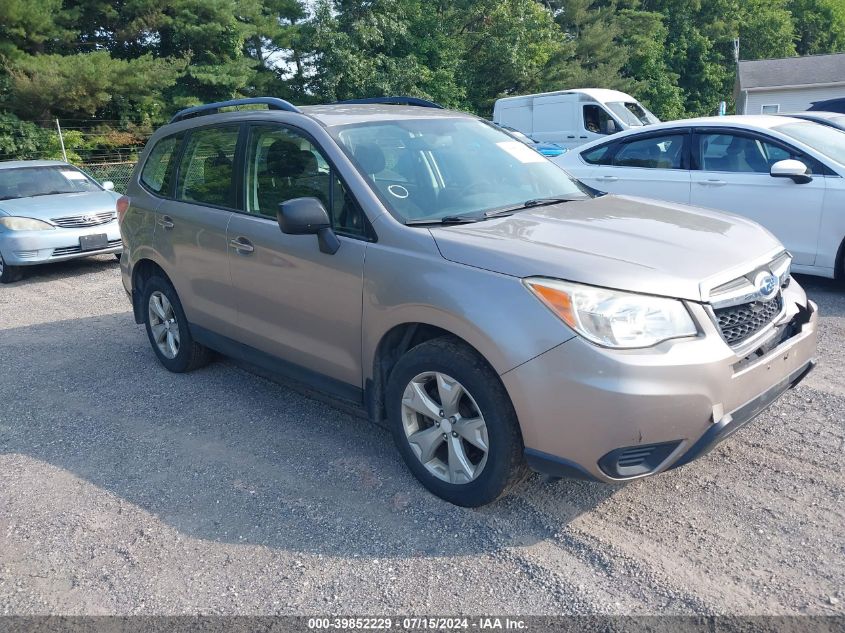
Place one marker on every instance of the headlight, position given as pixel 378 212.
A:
pixel 613 318
pixel 24 224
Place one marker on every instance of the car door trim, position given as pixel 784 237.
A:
pixel 276 365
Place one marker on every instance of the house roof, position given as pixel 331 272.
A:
pixel 792 71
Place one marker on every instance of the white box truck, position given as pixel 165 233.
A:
pixel 572 117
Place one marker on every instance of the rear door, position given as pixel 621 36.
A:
pixel 734 175
pixel 299 309
pixel 190 232
pixel 652 165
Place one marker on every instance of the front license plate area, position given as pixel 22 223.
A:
pixel 95 242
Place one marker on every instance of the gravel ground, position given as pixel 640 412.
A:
pixel 126 489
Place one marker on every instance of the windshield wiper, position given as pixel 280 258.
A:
pixel 449 219
pixel 466 219
pixel 49 193
pixel 534 202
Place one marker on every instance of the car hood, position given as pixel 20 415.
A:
pixel 60 204
pixel 617 242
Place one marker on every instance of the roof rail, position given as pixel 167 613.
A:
pixel 408 101
pixel 272 103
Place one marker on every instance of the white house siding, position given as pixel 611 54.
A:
pixel 789 100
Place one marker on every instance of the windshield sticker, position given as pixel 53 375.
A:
pixel 521 152
pixel 398 191
pixel 73 175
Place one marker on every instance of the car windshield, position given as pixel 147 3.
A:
pixel 632 113
pixel 27 182
pixel 824 139
pixel 431 169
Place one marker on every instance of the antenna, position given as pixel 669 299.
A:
pixel 736 50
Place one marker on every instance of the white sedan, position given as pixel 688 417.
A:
pixel 787 174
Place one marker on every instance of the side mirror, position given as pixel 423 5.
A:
pixel 108 185
pixel 308 216
pixel 610 126
pixel 794 169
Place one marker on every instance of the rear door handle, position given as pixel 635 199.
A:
pixel 712 182
pixel 166 221
pixel 607 178
pixel 242 245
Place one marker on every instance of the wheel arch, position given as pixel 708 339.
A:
pixel 391 346
pixel 142 271
pixel 839 263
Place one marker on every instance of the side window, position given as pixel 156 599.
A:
pixel 740 154
pixel 206 172
pixel 598 155
pixel 283 164
pixel 160 163
pixel 596 120
pixel 654 152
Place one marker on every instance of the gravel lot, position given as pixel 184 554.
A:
pixel 126 489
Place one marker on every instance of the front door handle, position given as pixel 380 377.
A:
pixel 712 182
pixel 242 245
pixel 166 222
pixel 607 178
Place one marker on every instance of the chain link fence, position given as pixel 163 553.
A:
pixel 118 173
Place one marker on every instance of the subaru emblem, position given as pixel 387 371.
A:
pixel 767 285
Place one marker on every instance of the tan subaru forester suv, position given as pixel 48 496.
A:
pixel 421 263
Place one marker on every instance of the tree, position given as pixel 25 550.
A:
pixel 654 83
pixel 81 85
pixel 819 26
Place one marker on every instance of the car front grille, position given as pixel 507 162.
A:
pixel 72 250
pixel 81 221
pixel 740 323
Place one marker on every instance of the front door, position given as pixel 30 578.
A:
pixel 734 176
pixel 299 309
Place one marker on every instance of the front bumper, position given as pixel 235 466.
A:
pixel 613 415
pixel 26 248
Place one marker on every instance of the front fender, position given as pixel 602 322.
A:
pixel 492 312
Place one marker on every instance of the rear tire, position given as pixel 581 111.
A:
pixel 444 385
pixel 168 329
pixel 8 274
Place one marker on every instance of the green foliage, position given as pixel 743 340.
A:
pixel 819 26
pixel 84 84
pixel 134 62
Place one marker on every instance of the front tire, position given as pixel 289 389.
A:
pixel 8 274
pixel 168 330
pixel 454 424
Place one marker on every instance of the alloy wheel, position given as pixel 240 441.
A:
pixel 444 427
pixel 163 325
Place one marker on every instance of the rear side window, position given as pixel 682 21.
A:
pixel 160 164
pixel 599 155
pixel 655 152
pixel 207 169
